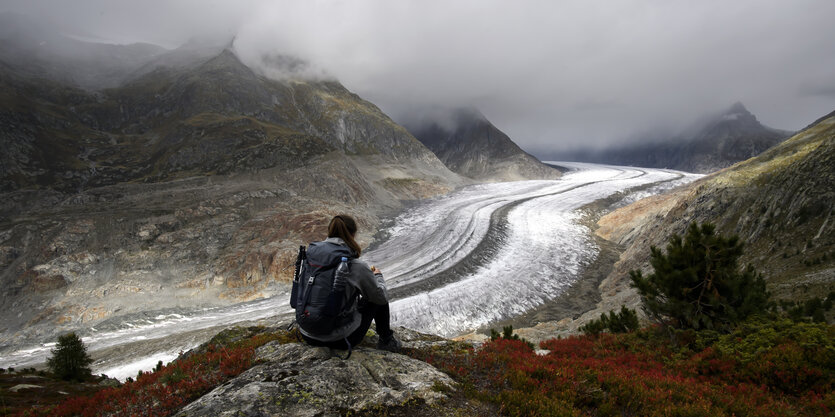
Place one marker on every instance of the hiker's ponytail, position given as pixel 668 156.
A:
pixel 344 227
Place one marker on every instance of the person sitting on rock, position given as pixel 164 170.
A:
pixel 365 298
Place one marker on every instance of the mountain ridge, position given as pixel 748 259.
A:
pixel 777 203
pixel 475 148
pixel 41 48
pixel 715 142
pixel 185 186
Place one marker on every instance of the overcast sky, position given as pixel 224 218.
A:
pixel 551 74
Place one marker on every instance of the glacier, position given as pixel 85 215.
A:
pixel 540 255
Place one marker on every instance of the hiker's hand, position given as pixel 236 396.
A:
pixel 375 271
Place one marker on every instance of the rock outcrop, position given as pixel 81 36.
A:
pixel 296 379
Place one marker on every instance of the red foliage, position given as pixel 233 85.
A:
pixel 625 375
pixel 163 392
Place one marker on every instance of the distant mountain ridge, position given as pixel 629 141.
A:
pixel 779 204
pixel 216 117
pixel 717 142
pixel 475 148
pixel 39 48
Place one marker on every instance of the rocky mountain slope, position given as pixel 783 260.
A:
pixel 779 203
pixel 715 143
pixel 476 149
pixel 189 185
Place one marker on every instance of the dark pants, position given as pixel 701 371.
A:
pixel 378 313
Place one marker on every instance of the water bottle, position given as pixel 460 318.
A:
pixel 336 299
pixel 341 276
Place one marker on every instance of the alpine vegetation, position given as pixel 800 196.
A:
pixel 698 285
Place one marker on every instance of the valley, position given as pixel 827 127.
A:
pixel 453 263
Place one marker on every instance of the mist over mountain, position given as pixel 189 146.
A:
pixel 571 74
pixel 470 145
pixel 710 144
pixel 190 183
pixel 38 48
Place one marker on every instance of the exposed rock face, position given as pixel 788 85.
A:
pixel 779 204
pixel 732 136
pixel 299 380
pixel 189 185
pixel 477 149
pixel 217 117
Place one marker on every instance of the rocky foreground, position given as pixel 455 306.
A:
pixel 300 380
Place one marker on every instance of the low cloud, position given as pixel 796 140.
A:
pixel 553 75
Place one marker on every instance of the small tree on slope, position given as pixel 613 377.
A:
pixel 69 359
pixel 698 284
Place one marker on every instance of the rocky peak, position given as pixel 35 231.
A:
pixel 468 116
pixel 737 108
pixel 469 144
pixel 735 121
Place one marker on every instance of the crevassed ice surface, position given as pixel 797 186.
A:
pixel 541 252
pixel 540 257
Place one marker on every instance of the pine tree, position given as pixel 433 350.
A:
pixel 697 284
pixel 69 359
pixel 624 321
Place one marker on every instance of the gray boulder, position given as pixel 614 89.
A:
pixel 300 380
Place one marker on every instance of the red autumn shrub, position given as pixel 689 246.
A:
pixel 639 374
pixel 165 391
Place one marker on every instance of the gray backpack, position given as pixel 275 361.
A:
pixel 319 307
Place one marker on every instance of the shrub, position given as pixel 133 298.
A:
pixel 637 374
pixel 624 321
pixel 697 283
pixel 793 357
pixel 507 334
pixel 69 359
pixel 166 390
pixel 813 309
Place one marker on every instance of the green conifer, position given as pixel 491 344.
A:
pixel 69 359
pixel 698 284
pixel 624 321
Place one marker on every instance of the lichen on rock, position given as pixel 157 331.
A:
pixel 301 380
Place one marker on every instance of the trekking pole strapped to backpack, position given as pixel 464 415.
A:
pixel 300 260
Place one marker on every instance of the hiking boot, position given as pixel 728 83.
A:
pixel 390 344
